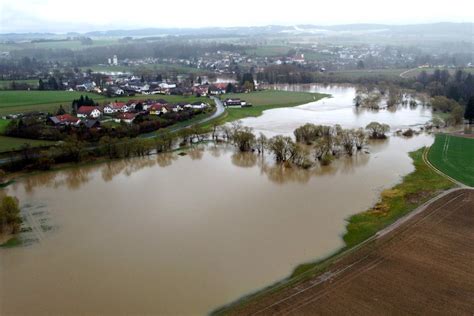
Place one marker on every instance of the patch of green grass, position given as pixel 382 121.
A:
pixel 12 242
pixel 6 84
pixel 14 143
pixel 415 189
pixel 454 156
pixel 3 125
pixel 268 99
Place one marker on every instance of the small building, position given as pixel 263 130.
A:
pixel 117 107
pixel 234 103
pixel 125 117
pixel 92 124
pixel 65 119
pixel 157 109
pixel 89 111
pixel 199 105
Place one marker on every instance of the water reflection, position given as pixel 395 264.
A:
pixel 244 160
pixel 143 224
pixel 339 109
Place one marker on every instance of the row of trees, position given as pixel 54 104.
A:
pixel 323 142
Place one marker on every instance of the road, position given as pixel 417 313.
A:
pixel 219 111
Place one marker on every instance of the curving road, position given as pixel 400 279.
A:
pixel 219 111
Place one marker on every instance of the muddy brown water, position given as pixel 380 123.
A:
pixel 181 235
pixel 339 109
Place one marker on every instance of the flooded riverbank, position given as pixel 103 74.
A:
pixel 338 109
pixel 182 235
pixel 171 234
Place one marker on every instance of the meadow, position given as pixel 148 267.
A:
pixel 6 84
pixel 454 156
pixel 266 100
pixel 14 143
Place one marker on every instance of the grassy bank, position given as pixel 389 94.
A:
pixel 454 156
pixel 268 99
pixel 3 126
pixel 13 143
pixel 415 189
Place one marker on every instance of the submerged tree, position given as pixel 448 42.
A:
pixel 281 147
pixel 377 130
pixel 10 214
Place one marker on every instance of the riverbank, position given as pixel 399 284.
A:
pixel 415 189
pixel 405 268
pixel 266 100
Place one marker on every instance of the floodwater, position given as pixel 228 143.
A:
pixel 339 109
pixel 181 235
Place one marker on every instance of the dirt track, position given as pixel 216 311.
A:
pixel 425 266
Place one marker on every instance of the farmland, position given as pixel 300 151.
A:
pixel 49 101
pixel 268 99
pixel 6 84
pixel 14 143
pixel 454 156
pixel 403 271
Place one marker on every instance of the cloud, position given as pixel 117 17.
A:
pixel 87 15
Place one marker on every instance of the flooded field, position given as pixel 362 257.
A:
pixel 181 235
pixel 339 109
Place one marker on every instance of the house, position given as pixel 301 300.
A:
pixel 157 109
pixel 117 107
pixel 125 117
pixel 218 88
pixel 200 90
pixel 175 107
pixel 234 103
pixel 185 105
pixel 92 123
pixel 198 105
pixel 65 119
pixel 89 111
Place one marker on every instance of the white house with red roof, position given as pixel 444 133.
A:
pixel 157 109
pixel 89 111
pixel 125 117
pixel 116 107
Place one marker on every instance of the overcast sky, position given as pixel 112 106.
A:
pixel 88 15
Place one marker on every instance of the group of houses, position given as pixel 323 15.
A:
pixel 125 112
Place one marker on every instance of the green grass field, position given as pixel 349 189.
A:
pixel 454 156
pixel 14 143
pixel 6 84
pixel 3 125
pixel 26 101
pixel 268 99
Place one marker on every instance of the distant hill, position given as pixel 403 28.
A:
pixel 463 31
